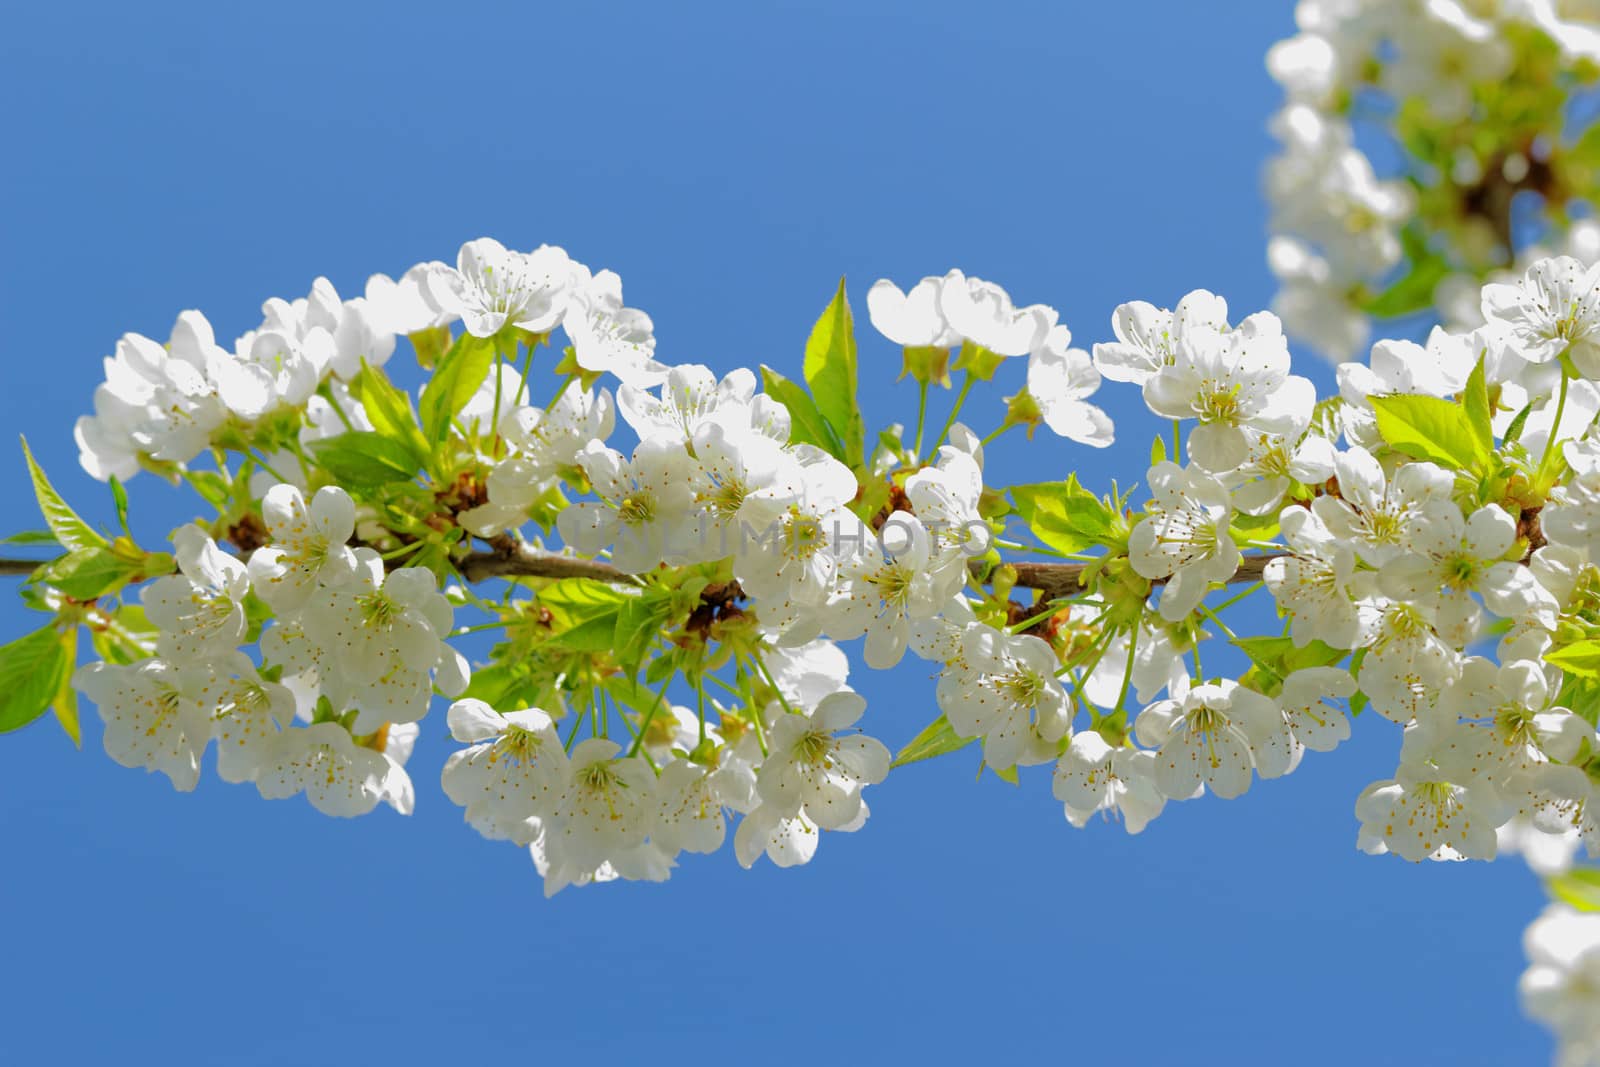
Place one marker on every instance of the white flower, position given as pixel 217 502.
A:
pixel 741 476
pixel 1561 987
pixel 607 812
pixel 404 306
pixel 1555 308
pixel 492 288
pixel 982 312
pixel 1450 557
pixel 1407 663
pixel 1513 719
pixel 693 399
pixel 307 545
pixel 1184 537
pixel 945 497
pixel 811 765
pixel 693 796
pixel 395 742
pixel 542 443
pixel 514 770
pixel 1314 723
pixel 1207 736
pixel 269 370
pixel 324 762
pixel 1429 811
pixel 156 401
pixel 1375 515
pixel 886 587
pixel 199 612
pixel 1146 335
pixel 384 633
pixel 153 715
pixel 644 508
pixel 607 337
pixel 801 538
pixel 914 319
pixel 1093 776
pixel 1316 585
pixel 247 714
pixel 787 839
pixel 1231 382
pixel 1004 690
pixel 1059 379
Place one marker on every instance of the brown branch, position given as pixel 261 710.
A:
pixel 1062 579
pixel 510 558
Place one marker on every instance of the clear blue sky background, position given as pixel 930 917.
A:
pixel 730 161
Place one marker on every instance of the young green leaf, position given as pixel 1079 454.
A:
pixel 87 573
pixel 457 376
pixel 1581 658
pixel 1579 887
pixel 1475 400
pixel 936 739
pixel 1429 428
pixel 806 424
pixel 1066 516
pixel 31 537
pixel 33 669
pixel 830 373
pixel 65 702
pixel 391 412
pixel 364 459
pixel 70 530
pixel 119 497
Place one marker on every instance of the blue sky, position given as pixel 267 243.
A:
pixel 730 161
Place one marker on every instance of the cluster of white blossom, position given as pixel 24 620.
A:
pixel 1439 566
pixel 1561 987
pixel 1336 221
pixel 594 811
pixel 354 655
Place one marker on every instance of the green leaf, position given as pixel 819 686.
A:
pixel 1429 428
pixel 365 459
pixel 1475 401
pixel 1514 431
pixel 65 702
pixel 639 622
pixel 1413 292
pixel 1581 658
pixel 457 376
pixel 1579 887
pixel 30 537
pixel 33 669
pixel 70 530
pixel 391 412
pixel 806 424
pixel 830 372
pixel 88 573
pixel 1066 516
pixel 1280 656
pixel 936 739
pixel 584 613
pixel 119 497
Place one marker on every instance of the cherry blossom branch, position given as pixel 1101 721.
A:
pixel 514 559
pixel 20 566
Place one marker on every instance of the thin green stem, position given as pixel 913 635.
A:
pixel 1127 672
pixel 922 417
pixel 649 716
pixel 1555 427
pixel 1004 426
pixel 961 398
pixel 1231 601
